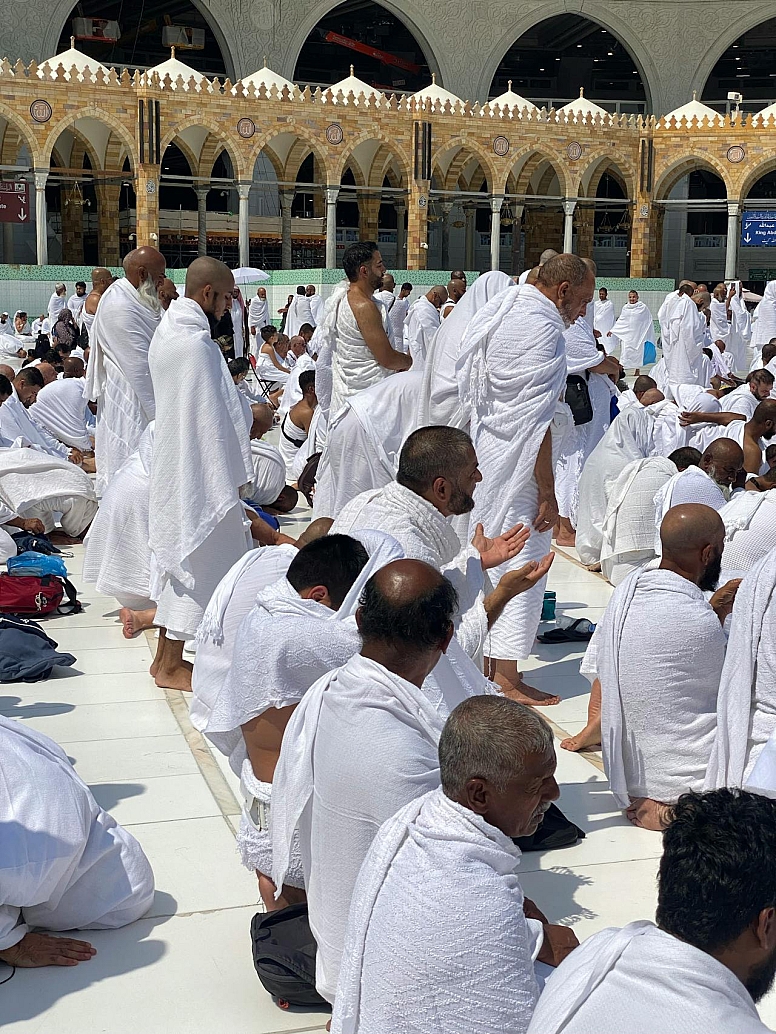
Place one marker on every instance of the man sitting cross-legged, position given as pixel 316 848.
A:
pixel 437 475
pixel 295 424
pixel 657 732
pixel 712 954
pixel 409 937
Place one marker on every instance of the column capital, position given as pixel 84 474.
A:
pixel 202 193
pixel 569 206
pixel 244 190
pixel 286 198
pixel 734 208
pixel 332 193
pixel 41 178
pixel 496 201
pixel 400 205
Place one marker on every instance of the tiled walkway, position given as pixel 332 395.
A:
pixel 187 967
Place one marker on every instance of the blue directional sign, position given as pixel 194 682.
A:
pixel 758 229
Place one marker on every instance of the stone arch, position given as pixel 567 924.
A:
pixel 464 150
pixel 384 166
pixel 305 143
pixel 389 150
pixel 725 37
pixel 527 161
pixel 766 166
pixel 610 21
pixel 619 168
pixel 217 140
pixel 99 115
pixel 683 166
pixel 27 138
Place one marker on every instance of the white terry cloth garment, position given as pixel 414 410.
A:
pixel 361 744
pixel 663 314
pixel 656 731
pixel 299 313
pixel 345 362
pixel 238 324
pixel 692 485
pixel 643 981
pixel 409 942
pixel 629 438
pixel 723 362
pixel 683 350
pixel 316 442
pixel 634 326
pixel 33 484
pixel 425 534
pixel 582 357
pixel 422 323
pixel 118 378
pixel 269 473
pixel 16 422
pixel 118 558
pixel 267 370
pixel 669 433
pixel 512 369
pixel 719 327
pixel 750 532
pixel 65 864
pixel 628 535
pixel 60 408
pixel 291 439
pixel 201 459
pixel 292 393
pixel 740 400
pixel 258 314
pixel 603 321
pixel 283 645
pixel 439 401
pixel 746 705
pixel 75 303
pixel 56 304
pixel 364 441
pixel 396 317
pixel 740 333
pixel 764 318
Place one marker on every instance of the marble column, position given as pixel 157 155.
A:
pixel 286 200
pixel 496 201
pixel 401 237
pixel 41 218
pixel 244 223
pixel 332 193
pixel 568 225
pixel 202 193
pixel 470 213
pixel 731 250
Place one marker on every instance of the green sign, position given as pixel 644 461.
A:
pixel 762 274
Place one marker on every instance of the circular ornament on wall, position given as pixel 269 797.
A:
pixel 41 111
pixel 501 146
pixel 574 151
pixel 334 133
pixel 151 187
pixel 736 154
pixel 422 201
pixel 246 128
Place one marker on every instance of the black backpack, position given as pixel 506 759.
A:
pixel 284 956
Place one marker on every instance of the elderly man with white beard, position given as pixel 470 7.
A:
pixel 709 482
pixel 118 378
pixel 511 373
pixel 423 322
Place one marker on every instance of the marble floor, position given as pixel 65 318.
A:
pixel 187 966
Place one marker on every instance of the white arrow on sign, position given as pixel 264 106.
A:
pixel 747 239
pixel 22 216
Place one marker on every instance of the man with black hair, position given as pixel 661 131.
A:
pixel 76 301
pixel 353 343
pixel 295 425
pixel 712 954
pixel 398 314
pixel 299 312
pixel 16 421
pixel 293 634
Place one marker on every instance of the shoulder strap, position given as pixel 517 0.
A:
pixel 73 605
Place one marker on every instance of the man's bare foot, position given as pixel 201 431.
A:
pixel 135 621
pixel 649 814
pixel 61 538
pixel 588 739
pixel 562 539
pixel 41 949
pixel 522 693
pixel 178 677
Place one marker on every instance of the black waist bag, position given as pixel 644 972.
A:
pixel 284 956
pixel 578 399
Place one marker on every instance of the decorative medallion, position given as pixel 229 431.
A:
pixel 736 154
pixel 574 151
pixel 40 111
pixel 422 201
pixel 246 128
pixel 151 187
pixel 501 146
pixel 334 133
pixel 644 211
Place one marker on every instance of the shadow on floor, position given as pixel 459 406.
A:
pixel 108 795
pixel 12 707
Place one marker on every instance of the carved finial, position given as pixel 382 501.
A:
pixel 265 60
pixel 172 53
pixel 351 70
pixel 72 42
pixel 581 91
pixel 433 78
pixel 695 95
pixel 509 85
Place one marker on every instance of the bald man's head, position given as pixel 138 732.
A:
pixel 73 367
pixel 651 396
pixel 7 371
pixel 407 608
pixel 722 461
pixel 389 284
pixel 692 537
pixel 456 289
pixel 209 283
pixel 263 416
pixel 47 372
pixel 533 275
pixel 764 419
pixel 102 278
pixel 437 296
pixel 546 255
pixel 145 264
pixel 642 384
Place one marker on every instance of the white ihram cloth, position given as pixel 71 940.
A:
pixel 362 743
pixel 75 303
pixel 283 645
pixel 315 442
pixel 644 981
pixel 750 532
pixel 267 370
pixel 628 534
pixel 723 362
pixel 364 441
pixel 582 356
pixel 396 316
pixel 629 438
pixel 269 473
pixel 719 326
pixel 422 323
pixel 299 312
pixel 740 333
pixel 656 732
pixel 238 324
pixel 603 320
pixel 415 961
pixel 440 401
pixel 117 558
pixel 664 312
pixel 201 459
pixel 258 314
pixel 425 534
pixel 65 864
pixel 692 485
pixel 291 439
pixel 746 705
pixel 118 378
pixel 9 345
pixel 345 362
pixel 60 408
pixel 740 400
pixel 683 350
pixel 33 484
pixel 764 318
pixel 316 307
pixel 634 326
pixel 512 368
pixel 16 422
pixel 292 393
pixel 56 304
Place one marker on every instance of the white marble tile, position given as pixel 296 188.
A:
pixel 126 760
pixel 107 721
pixel 156 799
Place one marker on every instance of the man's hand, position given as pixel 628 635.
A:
pixel 284 540
pixel 547 517
pixel 33 526
pixel 41 949
pixel 723 599
pixel 21 354
pixel 502 548
pixel 76 456
pixel 685 419
pixel 525 577
pixel 559 941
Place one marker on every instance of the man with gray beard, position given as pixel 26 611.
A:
pixel 118 379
